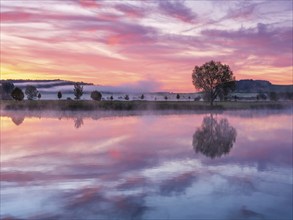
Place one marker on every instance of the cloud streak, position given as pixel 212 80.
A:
pixel 118 43
pixel 178 10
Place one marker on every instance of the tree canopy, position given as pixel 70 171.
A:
pixel 17 94
pixel 59 95
pixel 95 95
pixel 31 92
pixel 78 90
pixel 214 78
pixel 5 89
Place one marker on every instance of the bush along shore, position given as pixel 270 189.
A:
pixel 74 105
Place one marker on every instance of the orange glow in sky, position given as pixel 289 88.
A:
pixel 156 42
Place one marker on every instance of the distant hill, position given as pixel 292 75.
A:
pixel 256 86
pixel 22 83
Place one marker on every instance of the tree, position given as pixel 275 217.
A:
pixel 17 94
pixel 274 96
pixel 78 90
pixel 6 89
pixel 214 138
pixel 59 95
pixel 177 96
pixel 214 78
pixel 197 98
pixel 166 97
pixel 31 92
pixel 126 97
pixel 142 97
pixel 289 95
pixel 111 98
pixel 39 96
pixel 261 95
pixel 95 95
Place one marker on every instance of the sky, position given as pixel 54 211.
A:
pixel 150 44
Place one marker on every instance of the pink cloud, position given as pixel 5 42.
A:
pixel 177 10
pixel 242 12
pixel 268 43
pixel 12 16
pixel 130 11
pixel 133 48
pixel 90 3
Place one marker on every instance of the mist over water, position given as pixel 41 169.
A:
pixel 146 165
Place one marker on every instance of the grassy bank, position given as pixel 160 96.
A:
pixel 136 105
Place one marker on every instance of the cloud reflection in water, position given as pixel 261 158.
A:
pixel 136 167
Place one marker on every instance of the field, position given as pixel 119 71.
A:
pixel 137 105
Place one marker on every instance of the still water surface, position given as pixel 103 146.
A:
pixel 232 165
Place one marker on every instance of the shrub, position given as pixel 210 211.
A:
pixel 6 90
pixel 261 96
pixel 59 95
pixel 17 94
pixel 78 90
pixel 274 96
pixel 31 92
pixel 95 95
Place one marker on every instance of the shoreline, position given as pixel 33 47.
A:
pixel 90 105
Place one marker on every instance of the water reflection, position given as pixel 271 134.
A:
pixel 78 122
pixel 18 119
pixel 118 167
pixel 93 203
pixel 214 138
pixel 177 185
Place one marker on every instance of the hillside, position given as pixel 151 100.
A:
pixel 256 86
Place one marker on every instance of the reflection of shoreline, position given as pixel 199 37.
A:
pixel 95 115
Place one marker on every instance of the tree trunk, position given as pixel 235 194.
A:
pixel 212 98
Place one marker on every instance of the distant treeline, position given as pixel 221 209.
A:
pixel 245 90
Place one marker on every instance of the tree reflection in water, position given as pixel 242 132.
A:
pixel 78 122
pixel 17 120
pixel 214 138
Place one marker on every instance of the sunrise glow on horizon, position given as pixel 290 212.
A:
pixel 153 44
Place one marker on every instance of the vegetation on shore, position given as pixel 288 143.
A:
pixel 137 105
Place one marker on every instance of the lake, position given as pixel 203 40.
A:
pixel 146 165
